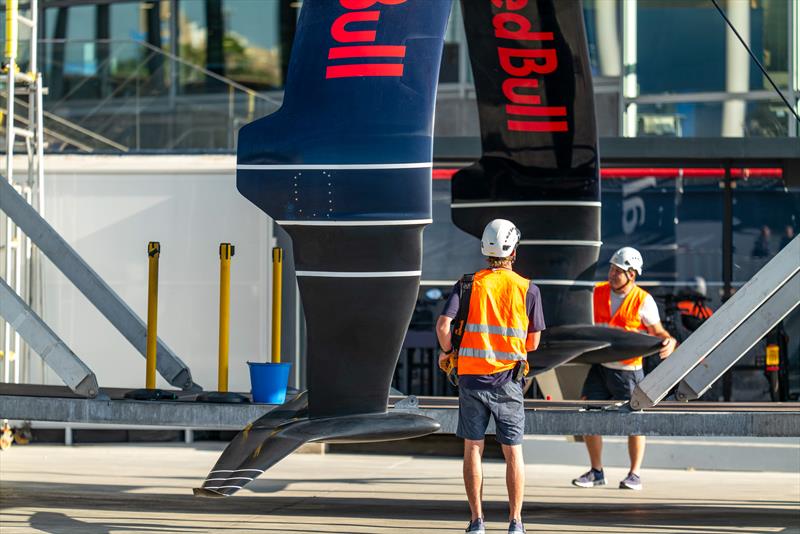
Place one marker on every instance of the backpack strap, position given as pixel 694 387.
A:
pixel 464 295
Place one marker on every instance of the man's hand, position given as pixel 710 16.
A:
pixel 667 346
pixel 442 358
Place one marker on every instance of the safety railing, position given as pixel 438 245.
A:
pixel 120 96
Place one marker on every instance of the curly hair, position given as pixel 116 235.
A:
pixel 496 263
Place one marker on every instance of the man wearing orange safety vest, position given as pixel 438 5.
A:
pixel 503 323
pixel 622 304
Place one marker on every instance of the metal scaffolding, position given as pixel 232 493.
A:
pixel 21 268
pixel 28 237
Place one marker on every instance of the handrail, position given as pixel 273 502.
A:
pixel 50 133
pixel 207 72
pixel 94 135
pixel 69 124
pixel 173 57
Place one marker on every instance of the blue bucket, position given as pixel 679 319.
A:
pixel 268 381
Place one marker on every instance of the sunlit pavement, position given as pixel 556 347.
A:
pixel 148 488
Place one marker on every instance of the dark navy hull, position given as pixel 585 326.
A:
pixel 335 194
pixel 345 168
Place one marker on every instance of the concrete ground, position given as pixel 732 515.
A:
pixel 94 489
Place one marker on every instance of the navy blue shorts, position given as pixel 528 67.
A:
pixel 603 383
pixel 504 403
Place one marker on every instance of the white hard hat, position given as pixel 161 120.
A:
pixel 500 239
pixel 700 286
pixel 627 258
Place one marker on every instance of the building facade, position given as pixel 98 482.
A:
pixel 182 76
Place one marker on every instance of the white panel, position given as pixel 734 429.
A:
pixel 108 208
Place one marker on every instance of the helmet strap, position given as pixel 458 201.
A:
pixel 628 280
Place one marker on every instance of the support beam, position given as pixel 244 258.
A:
pixel 722 358
pixel 92 285
pixel 767 420
pixel 647 423
pixel 75 374
pixel 744 303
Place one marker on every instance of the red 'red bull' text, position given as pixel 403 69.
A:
pixel 353 29
pixel 525 110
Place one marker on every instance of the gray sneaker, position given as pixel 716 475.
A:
pixel 590 479
pixel 631 482
pixel 516 527
pixel 476 526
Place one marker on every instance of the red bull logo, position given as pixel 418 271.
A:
pixel 354 29
pixel 525 66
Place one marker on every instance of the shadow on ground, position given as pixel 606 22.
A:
pixel 255 511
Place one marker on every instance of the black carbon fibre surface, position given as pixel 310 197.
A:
pixel 357 248
pixel 538 141
pixel 535 222
pixel 355 331
pixel 566 305
pixel 549 262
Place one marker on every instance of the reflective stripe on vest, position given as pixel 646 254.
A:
pixel 627 315
pixel 499 330
pixel 497 323
pixel 490 354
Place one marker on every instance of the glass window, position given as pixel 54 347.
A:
pixel 91 51
pixel 759 233
pixel 81 24
pixel 682 45
pixel 707 119
pixel 244 40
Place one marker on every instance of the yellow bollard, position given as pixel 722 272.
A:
pixel 277 278
pixel 153 253
pixel 226 251
pixel 150 393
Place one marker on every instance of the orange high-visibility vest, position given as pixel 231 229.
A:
pixel 497 324
pixel 627 316
pixel 695 309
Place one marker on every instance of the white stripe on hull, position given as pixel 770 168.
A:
pixel 581 283
pixel 589 203
pixel 398 222
pixel 336 166
pixel 374 274
pixel 566 242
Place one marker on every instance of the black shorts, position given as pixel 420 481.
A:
pixel 604 383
